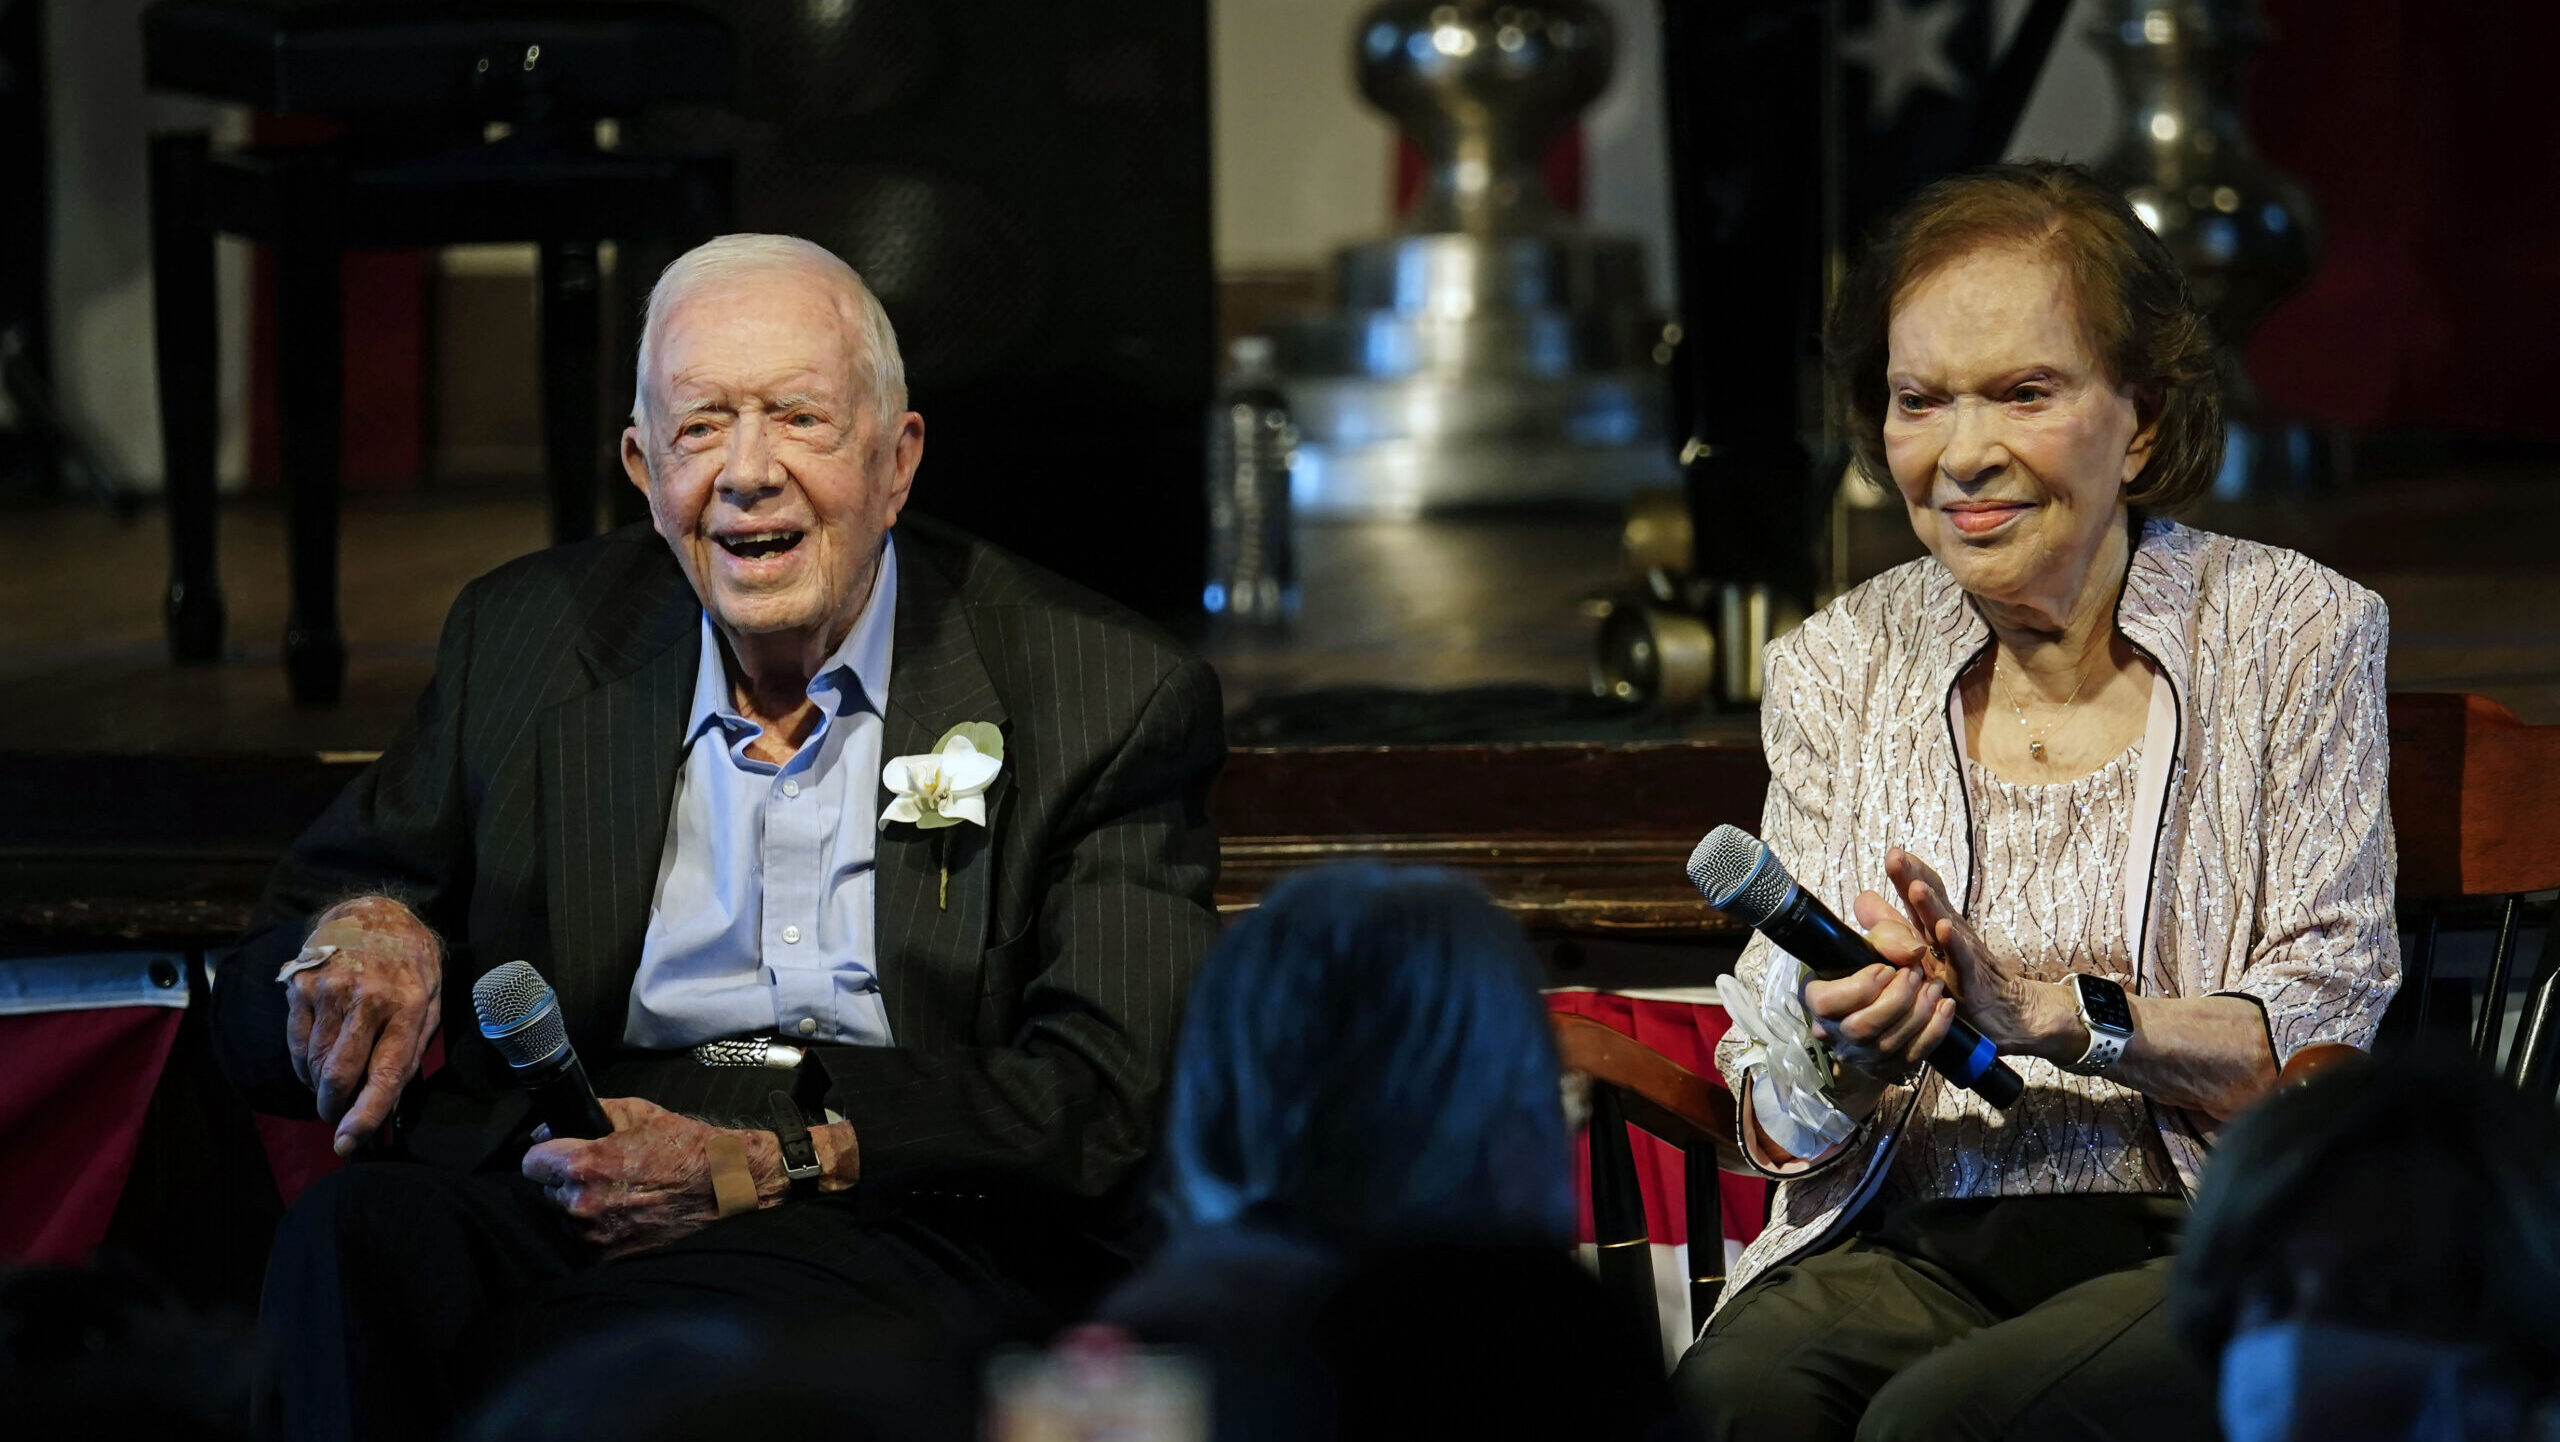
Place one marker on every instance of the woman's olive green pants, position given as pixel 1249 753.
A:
pixel 2010 1317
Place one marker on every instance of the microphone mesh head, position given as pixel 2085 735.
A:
pixel 1740 877
pixel 520 1015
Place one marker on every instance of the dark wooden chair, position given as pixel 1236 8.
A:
pixel 2475 802
pixel 1632 1084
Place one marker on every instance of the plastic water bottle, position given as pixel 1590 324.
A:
pixel 1253 559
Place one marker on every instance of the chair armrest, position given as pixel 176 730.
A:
pixel 1662 1096
pixel 2314 1059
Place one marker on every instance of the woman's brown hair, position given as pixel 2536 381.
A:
pixel 2140 319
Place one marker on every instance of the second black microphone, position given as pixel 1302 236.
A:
pixel 520 1015
pixel 1743 879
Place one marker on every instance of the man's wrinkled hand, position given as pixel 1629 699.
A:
pixel 357 1026
pixel 647 1184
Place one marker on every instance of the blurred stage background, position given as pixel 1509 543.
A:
pixel 2413 344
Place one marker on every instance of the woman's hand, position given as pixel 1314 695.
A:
pixel 2206 1052
pixel 1882 1021
pixel 2018 1014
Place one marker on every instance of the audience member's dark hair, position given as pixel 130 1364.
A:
pixel 1366 1060
pixel 2408 1194
pixel 98 1352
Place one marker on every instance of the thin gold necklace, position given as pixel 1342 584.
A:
pixel 2035 739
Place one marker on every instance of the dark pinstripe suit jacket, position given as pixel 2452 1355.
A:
pixel 522 811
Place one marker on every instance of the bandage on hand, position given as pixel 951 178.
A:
pixel 362 1011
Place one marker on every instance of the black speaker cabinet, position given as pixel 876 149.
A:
pixel 1025 183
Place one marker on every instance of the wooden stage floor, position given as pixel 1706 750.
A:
pixel 2463 552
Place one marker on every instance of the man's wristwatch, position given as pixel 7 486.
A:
pixel 2109 1018
pixel 799 1154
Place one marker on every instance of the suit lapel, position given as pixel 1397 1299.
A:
pixel 927 947
pixel 608 766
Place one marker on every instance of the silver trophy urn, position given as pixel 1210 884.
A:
pixel 2244 233
pixel 1491 353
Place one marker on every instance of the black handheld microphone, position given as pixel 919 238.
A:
pixel 1743 879
pixel 520 1015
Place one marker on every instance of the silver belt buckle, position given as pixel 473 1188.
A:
pixel 754 1051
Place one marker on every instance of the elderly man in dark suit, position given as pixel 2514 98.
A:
pixel 653 767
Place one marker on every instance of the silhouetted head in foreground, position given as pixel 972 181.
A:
pixel 1366 1061
pixel 675 1377
pixel 2376 1254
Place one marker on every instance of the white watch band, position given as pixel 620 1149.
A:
pixel 2106 1046
pixel 2105 1049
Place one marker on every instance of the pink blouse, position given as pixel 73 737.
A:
pixel 2052 864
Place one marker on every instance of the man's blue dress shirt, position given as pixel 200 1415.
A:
pixel 762 919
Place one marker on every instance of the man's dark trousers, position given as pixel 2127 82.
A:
pixel 414 1289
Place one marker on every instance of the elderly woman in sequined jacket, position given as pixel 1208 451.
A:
pixel 2076 748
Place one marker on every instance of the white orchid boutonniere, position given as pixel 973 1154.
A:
pixel 945 786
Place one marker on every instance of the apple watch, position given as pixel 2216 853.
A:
pixel 2109 1018
pixel 799 1154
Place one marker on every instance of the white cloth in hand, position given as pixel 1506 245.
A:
pixel 1791 1081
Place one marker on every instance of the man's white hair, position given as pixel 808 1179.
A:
pixel 732 256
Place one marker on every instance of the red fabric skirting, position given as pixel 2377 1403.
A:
pixel 1688 1035
pixel 75 1087
pixel 300 1152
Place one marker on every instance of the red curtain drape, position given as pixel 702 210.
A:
pixel 2424 133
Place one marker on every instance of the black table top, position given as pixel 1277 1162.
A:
pixel 360 59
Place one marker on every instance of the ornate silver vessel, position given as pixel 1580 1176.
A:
pixel 2243 231
pixel 1490 353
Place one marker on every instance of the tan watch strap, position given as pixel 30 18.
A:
pixel 733 1186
